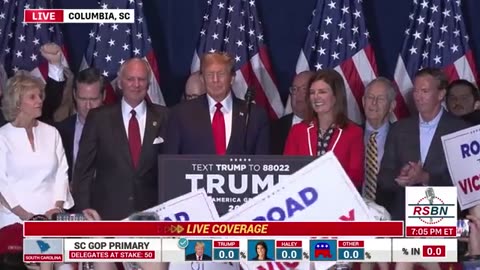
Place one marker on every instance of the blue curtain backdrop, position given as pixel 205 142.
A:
pixel 175 24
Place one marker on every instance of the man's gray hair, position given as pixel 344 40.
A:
pixel 391 93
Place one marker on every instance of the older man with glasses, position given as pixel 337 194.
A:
pixel 281 127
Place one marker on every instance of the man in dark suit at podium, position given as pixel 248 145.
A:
pixel 199 254
pixel 281 127
pixel 215 123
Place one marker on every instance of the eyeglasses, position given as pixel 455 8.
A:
pixel 295 89
pixel 377 99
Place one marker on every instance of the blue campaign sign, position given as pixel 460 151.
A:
pixel 180 216
pixel 323 250
pixel 306 197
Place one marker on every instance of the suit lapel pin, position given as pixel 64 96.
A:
pixel 154 123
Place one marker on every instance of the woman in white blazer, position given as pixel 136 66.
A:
pixel 33 166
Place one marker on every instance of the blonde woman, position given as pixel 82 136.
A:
pixel 33 167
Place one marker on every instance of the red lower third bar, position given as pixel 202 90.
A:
pixel 127 229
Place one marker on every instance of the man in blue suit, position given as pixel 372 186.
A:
pixel 215 123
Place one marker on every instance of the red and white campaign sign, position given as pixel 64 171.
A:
pixel 462 151
pixel 321 191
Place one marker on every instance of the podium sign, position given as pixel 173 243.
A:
pixel 229 180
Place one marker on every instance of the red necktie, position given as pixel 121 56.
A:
pixel 218 128
pixel 134 141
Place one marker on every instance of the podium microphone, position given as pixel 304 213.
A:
pixel 140 216
pixel 144 216
pixel 249 99
pixel 430 194
pixel 68 217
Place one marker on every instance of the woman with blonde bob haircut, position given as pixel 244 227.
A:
pixel 33 166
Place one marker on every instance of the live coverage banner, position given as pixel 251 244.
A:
pixel 229 180
pixel 462 150
pixel 321 191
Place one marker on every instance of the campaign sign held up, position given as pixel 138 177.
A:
pixel 462 151
pixel 229 180
pixel 321 191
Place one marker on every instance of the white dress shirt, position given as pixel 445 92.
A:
pixel 141 115
pixel 35 180
pixel 227 110
pixel 296 120
pixel 427 131
pixel 76 137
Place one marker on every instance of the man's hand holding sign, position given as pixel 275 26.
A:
pixel 306 196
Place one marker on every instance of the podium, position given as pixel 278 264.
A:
pixel 230 180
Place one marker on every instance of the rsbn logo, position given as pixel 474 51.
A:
pixel 431 209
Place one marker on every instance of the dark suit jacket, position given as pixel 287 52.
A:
pixel 193 257
pixel 2 119
pixel 53 100
pixel 66 128
pixel 104 177
pixel 189 129
pixel 279 133
pixel 473 118
pixel 403 145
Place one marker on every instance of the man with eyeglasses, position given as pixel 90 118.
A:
pixel 298 100
pixel 194 87
pixel 378 103
pixel 89 93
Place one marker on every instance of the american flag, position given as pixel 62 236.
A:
pixel 338 38
pixel 233 26
pixel 20 42
pixel 112 44
pixel 436 37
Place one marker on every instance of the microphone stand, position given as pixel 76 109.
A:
pixel 249 96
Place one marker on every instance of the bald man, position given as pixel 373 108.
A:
pixel 281 127
pixel 194 86
pixel 116 168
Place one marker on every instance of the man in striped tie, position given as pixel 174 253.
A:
pixel 378 103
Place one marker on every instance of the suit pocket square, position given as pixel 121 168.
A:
pixel 158 140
